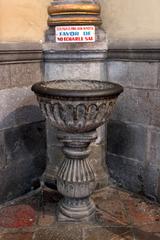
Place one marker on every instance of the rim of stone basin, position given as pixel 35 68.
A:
pixel 77 88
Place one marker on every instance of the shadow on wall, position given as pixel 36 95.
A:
pixel 22 152
pixel 127 159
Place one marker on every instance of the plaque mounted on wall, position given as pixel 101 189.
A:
pixel 70 34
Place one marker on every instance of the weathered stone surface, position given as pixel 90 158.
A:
pixel 98 162
pixel 51 134
pixel 20 64
pixel 5 76
pixel 138 106
pixel 17 216
pixel 72 56
pixel 3 160
pixel 110 209
pixel 141 212
pixel 17 236
pixel 134 106
pixel 151 181
pixel 25 74
pixel 147 233
pixel 144 74
pixel 135 133
pixel 20 160
pixel 76 71
pixel 25 155
pixel 25 142
pixel 101 134
pixel 126 172
pixel 127 140
pixel 61 232
pixel 134 74
pixel 47 217
pixel 108 233
pixel 154 146
pixel 118 72
pixel 119 215
pixel 20 74
pixel 55 156
pixel 18 107
pixel 129 51
pixel 154 100
pixel 20 52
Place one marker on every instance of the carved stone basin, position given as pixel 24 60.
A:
pixel 77 109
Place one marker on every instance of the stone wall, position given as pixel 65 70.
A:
pixel 134 131
pixel 22 128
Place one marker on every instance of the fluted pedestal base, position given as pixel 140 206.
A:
pixel 75 179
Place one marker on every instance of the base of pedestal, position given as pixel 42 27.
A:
pixel 62 218
pixel 80 210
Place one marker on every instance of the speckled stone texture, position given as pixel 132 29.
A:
pixel 134 129
pixel 120 215
pixel 22 127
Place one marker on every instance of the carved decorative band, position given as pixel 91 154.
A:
pixel 74 13
pixel 64 116
pixel 75 190
pixel 68 8
pixel 76 153
pixel 74 20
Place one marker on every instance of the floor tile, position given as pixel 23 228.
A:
pixel 34 201
pixel 111 233
pixel 120 216
pixel 140 212
pixel 61 232
pixel 110 210
pixel 47 216
pixel 146 235
pixel 16 236
pixel 17 216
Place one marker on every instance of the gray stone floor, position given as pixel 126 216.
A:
pixel 120 216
